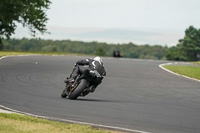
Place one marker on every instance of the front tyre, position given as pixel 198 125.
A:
pixel 64 93
pixel 79 89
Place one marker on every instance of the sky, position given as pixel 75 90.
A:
pixel 161 22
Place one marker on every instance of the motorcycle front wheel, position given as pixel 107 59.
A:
pixel 79 89
pixel 64 93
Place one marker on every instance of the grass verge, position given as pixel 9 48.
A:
pixel 190 71
pixel 16 123
pixel 198 63
pixel 5 53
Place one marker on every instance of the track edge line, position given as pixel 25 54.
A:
pixel 161 66
pixel 74 122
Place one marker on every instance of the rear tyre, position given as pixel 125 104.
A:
pixel 79 89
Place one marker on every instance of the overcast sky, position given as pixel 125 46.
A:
pixel 120 21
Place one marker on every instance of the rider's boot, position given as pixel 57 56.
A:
pixel 92 88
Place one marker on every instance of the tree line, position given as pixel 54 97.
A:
pixel 32 14
pixel 129 50
pixel 188 48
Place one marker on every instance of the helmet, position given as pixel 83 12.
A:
pixel 97 58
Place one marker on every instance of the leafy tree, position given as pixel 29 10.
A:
pixel 190 45
pixel 188 48
pixel 174 53
pixel 30 13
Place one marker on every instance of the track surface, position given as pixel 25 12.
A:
pixel 136 94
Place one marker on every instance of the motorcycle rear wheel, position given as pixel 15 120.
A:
pixel 79 89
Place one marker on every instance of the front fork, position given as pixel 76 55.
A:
pixel 71 86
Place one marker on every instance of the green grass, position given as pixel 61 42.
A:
pixel 190 71
pixel 16 123
pixel 198 63
pixel 4 53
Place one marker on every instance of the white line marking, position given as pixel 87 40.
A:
pixel 72 121
pixel 161 66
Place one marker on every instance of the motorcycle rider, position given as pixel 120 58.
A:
pixel 95 64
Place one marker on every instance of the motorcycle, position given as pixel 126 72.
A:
pixel 82 86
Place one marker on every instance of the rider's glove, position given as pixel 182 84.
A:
pixel 74 66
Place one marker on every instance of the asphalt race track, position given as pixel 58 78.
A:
pixel 136 94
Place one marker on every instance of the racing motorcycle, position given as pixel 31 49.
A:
pixel 82 86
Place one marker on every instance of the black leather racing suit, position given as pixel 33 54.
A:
pixel 92 65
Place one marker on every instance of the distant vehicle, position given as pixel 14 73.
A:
pixel 117 54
